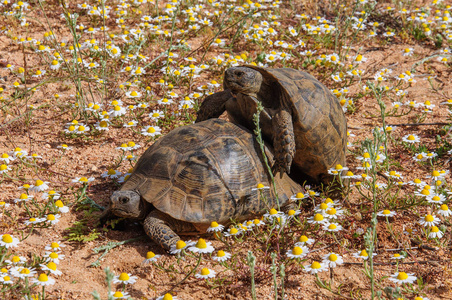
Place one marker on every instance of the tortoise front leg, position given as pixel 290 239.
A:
pixel 283 142
pixel 106 216
pixel 213 106
pixel 160 228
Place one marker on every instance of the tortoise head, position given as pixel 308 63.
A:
pixel 127 204
pixel 242 80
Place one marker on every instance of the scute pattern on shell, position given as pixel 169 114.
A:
pixel 320 126
pixel 206 172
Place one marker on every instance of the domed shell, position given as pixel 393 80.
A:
pixel 320 125
pixel 207 172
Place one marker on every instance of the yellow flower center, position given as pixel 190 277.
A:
pixel 332 257
pixel 124 277
pixel 151 130
pixel 234 231
pixel 349 173
pixel 205 271
pixel 435 174
pixel 436 198
pixel 221 253
pixel 260 186
pixel 53 255
pixel 6 238
pixel 435 229
pixel 52 266
pixel 332 226
pixel 291 212
pixel 323 206
pixel 316 265
pixel 6 278
pixel 214 224
pixel 386 212
pixel 402 276
pixel 397 255
pixel 363 253
pixel 273 211
pixel 318 218
pixel 411 137
pixel 38 182
pixel 444 207
pixel 23 196
pixel 297 251
pixel 180 244
pixel 118 295
pixel 338 167
pixel 303 239
pixel 331 211
pixel 15 259
pixel 25 271
pixel 150 254
pixel 167 297
pixel 299 195
pixel 425 192
pixel 117 108
pixel 50 217
pixel 201 244
pixel 54 245
pixel 429 218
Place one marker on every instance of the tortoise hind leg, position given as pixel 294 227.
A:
pixel 283 142
pixel 161 228
pixel 213 106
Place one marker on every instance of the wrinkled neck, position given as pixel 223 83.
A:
pixel 270 95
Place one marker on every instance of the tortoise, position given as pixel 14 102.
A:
pixel 302 119
pixel 197 174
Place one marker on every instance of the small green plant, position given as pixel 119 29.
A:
pixel 80 232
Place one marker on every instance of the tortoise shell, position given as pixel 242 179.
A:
pixel 207 172
pixel 319 124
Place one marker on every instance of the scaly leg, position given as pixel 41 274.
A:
pixel 213 106
pixel 283 142
pixel 160 228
